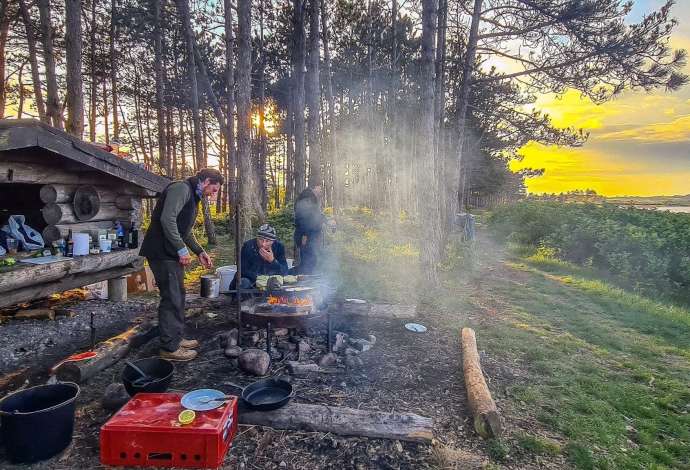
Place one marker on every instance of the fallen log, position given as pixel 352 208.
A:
pixel 300 370
pixel 487 421
pixel 36 314
pixel 344 421
pixel 107 353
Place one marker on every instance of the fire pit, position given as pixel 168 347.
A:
pixel 288 307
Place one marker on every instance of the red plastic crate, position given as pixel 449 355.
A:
pixel 145 432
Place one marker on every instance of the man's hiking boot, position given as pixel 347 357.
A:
pixel 189 343
pixel 182 354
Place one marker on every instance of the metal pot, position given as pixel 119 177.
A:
pixel 210 286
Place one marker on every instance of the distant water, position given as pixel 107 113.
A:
pixel 684 209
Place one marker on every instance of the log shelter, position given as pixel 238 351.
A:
pixel 61 183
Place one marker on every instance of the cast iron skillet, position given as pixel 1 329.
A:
pixel 266 394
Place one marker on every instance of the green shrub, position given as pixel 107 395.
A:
pixel 647 251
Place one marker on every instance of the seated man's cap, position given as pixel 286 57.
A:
pixel 267 232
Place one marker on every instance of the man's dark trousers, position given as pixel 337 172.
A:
pixel 169 276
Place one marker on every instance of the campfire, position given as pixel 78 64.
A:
pixel 305 301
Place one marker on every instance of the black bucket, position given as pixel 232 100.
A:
pixel 37 423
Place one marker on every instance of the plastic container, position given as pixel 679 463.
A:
pixel 226 274
pixel 146 433
pixel 81 244
pixel 12 246
pixel 105 245
pixel 37 423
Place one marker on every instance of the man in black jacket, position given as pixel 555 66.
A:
pixel 263 255
pixel 166 246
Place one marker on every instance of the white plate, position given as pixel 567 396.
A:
pixel 416 327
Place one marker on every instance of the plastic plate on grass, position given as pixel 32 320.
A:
pixel 416 327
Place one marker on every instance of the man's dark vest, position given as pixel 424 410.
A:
pixel 155 245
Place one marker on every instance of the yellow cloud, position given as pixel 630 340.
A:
pixel 568 169
pixel 677 130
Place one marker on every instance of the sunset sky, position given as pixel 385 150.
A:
pixel 639 143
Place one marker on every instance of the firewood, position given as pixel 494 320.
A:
pixel 36 314
pixel 343 421
pixel 487 421
pixel 108 353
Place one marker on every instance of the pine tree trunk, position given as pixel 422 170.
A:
pixel 231 162
pixel 160 82
pixel 244 12
pixel 428 197
pixel 53 106
pixel 263 183
pixel 439 108
pixel 333 157
pixel 463 103
pixel 94 83
pixel 35 74
pixel 183 10
pixel 4 30
pixel 106 123
pixel 113 68
pixel 73 47
pixel 298 52
pixel 314 96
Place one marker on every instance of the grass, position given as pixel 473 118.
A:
pixel 608 370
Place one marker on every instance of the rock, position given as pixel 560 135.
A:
pixel 233 352
pixel 361 344
pixel 114 397
pixel 228 338
pixel 371 339
pixel 282 464
pixel 303 347
pixel 329 360
pixel 254 361
pixel 353 362
pixel 297 368
pixel 351 352
pixel 340 342
pixel 280 332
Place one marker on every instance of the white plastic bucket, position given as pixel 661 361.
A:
pixel 290 262
pixel 81 244
pixel 226 274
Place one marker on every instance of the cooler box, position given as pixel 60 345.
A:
pixel 146 432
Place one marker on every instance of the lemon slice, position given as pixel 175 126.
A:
pixel 186 416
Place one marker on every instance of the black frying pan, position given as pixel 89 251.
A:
pixel 266 394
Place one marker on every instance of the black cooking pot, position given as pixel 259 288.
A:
pixel 37 423
pixel 159 374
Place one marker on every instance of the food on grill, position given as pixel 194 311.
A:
pixel 261 282
pixel 289 279
pixel 275 282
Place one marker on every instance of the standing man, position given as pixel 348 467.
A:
pixel 166 247
pixel 309 222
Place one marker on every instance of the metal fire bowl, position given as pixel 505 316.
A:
pixel 282 320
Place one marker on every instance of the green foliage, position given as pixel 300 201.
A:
pixel 497 449
pixel 538 445
pixel 645 250
pixel 579 456
pixel 283 220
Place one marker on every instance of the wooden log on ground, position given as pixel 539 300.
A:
pixel 55 232
pixel 27 274
pixel 56 214
pixel 36 314
pixel 68 282
pixel 487 421
pixel 344 421
pixel 107 353
pixel 301 370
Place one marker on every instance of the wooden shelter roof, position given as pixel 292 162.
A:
pixel 18 134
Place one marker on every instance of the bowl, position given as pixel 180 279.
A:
pixel 156 367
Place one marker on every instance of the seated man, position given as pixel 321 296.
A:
pixel 263 255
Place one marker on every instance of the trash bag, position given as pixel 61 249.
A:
pixel 29 239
